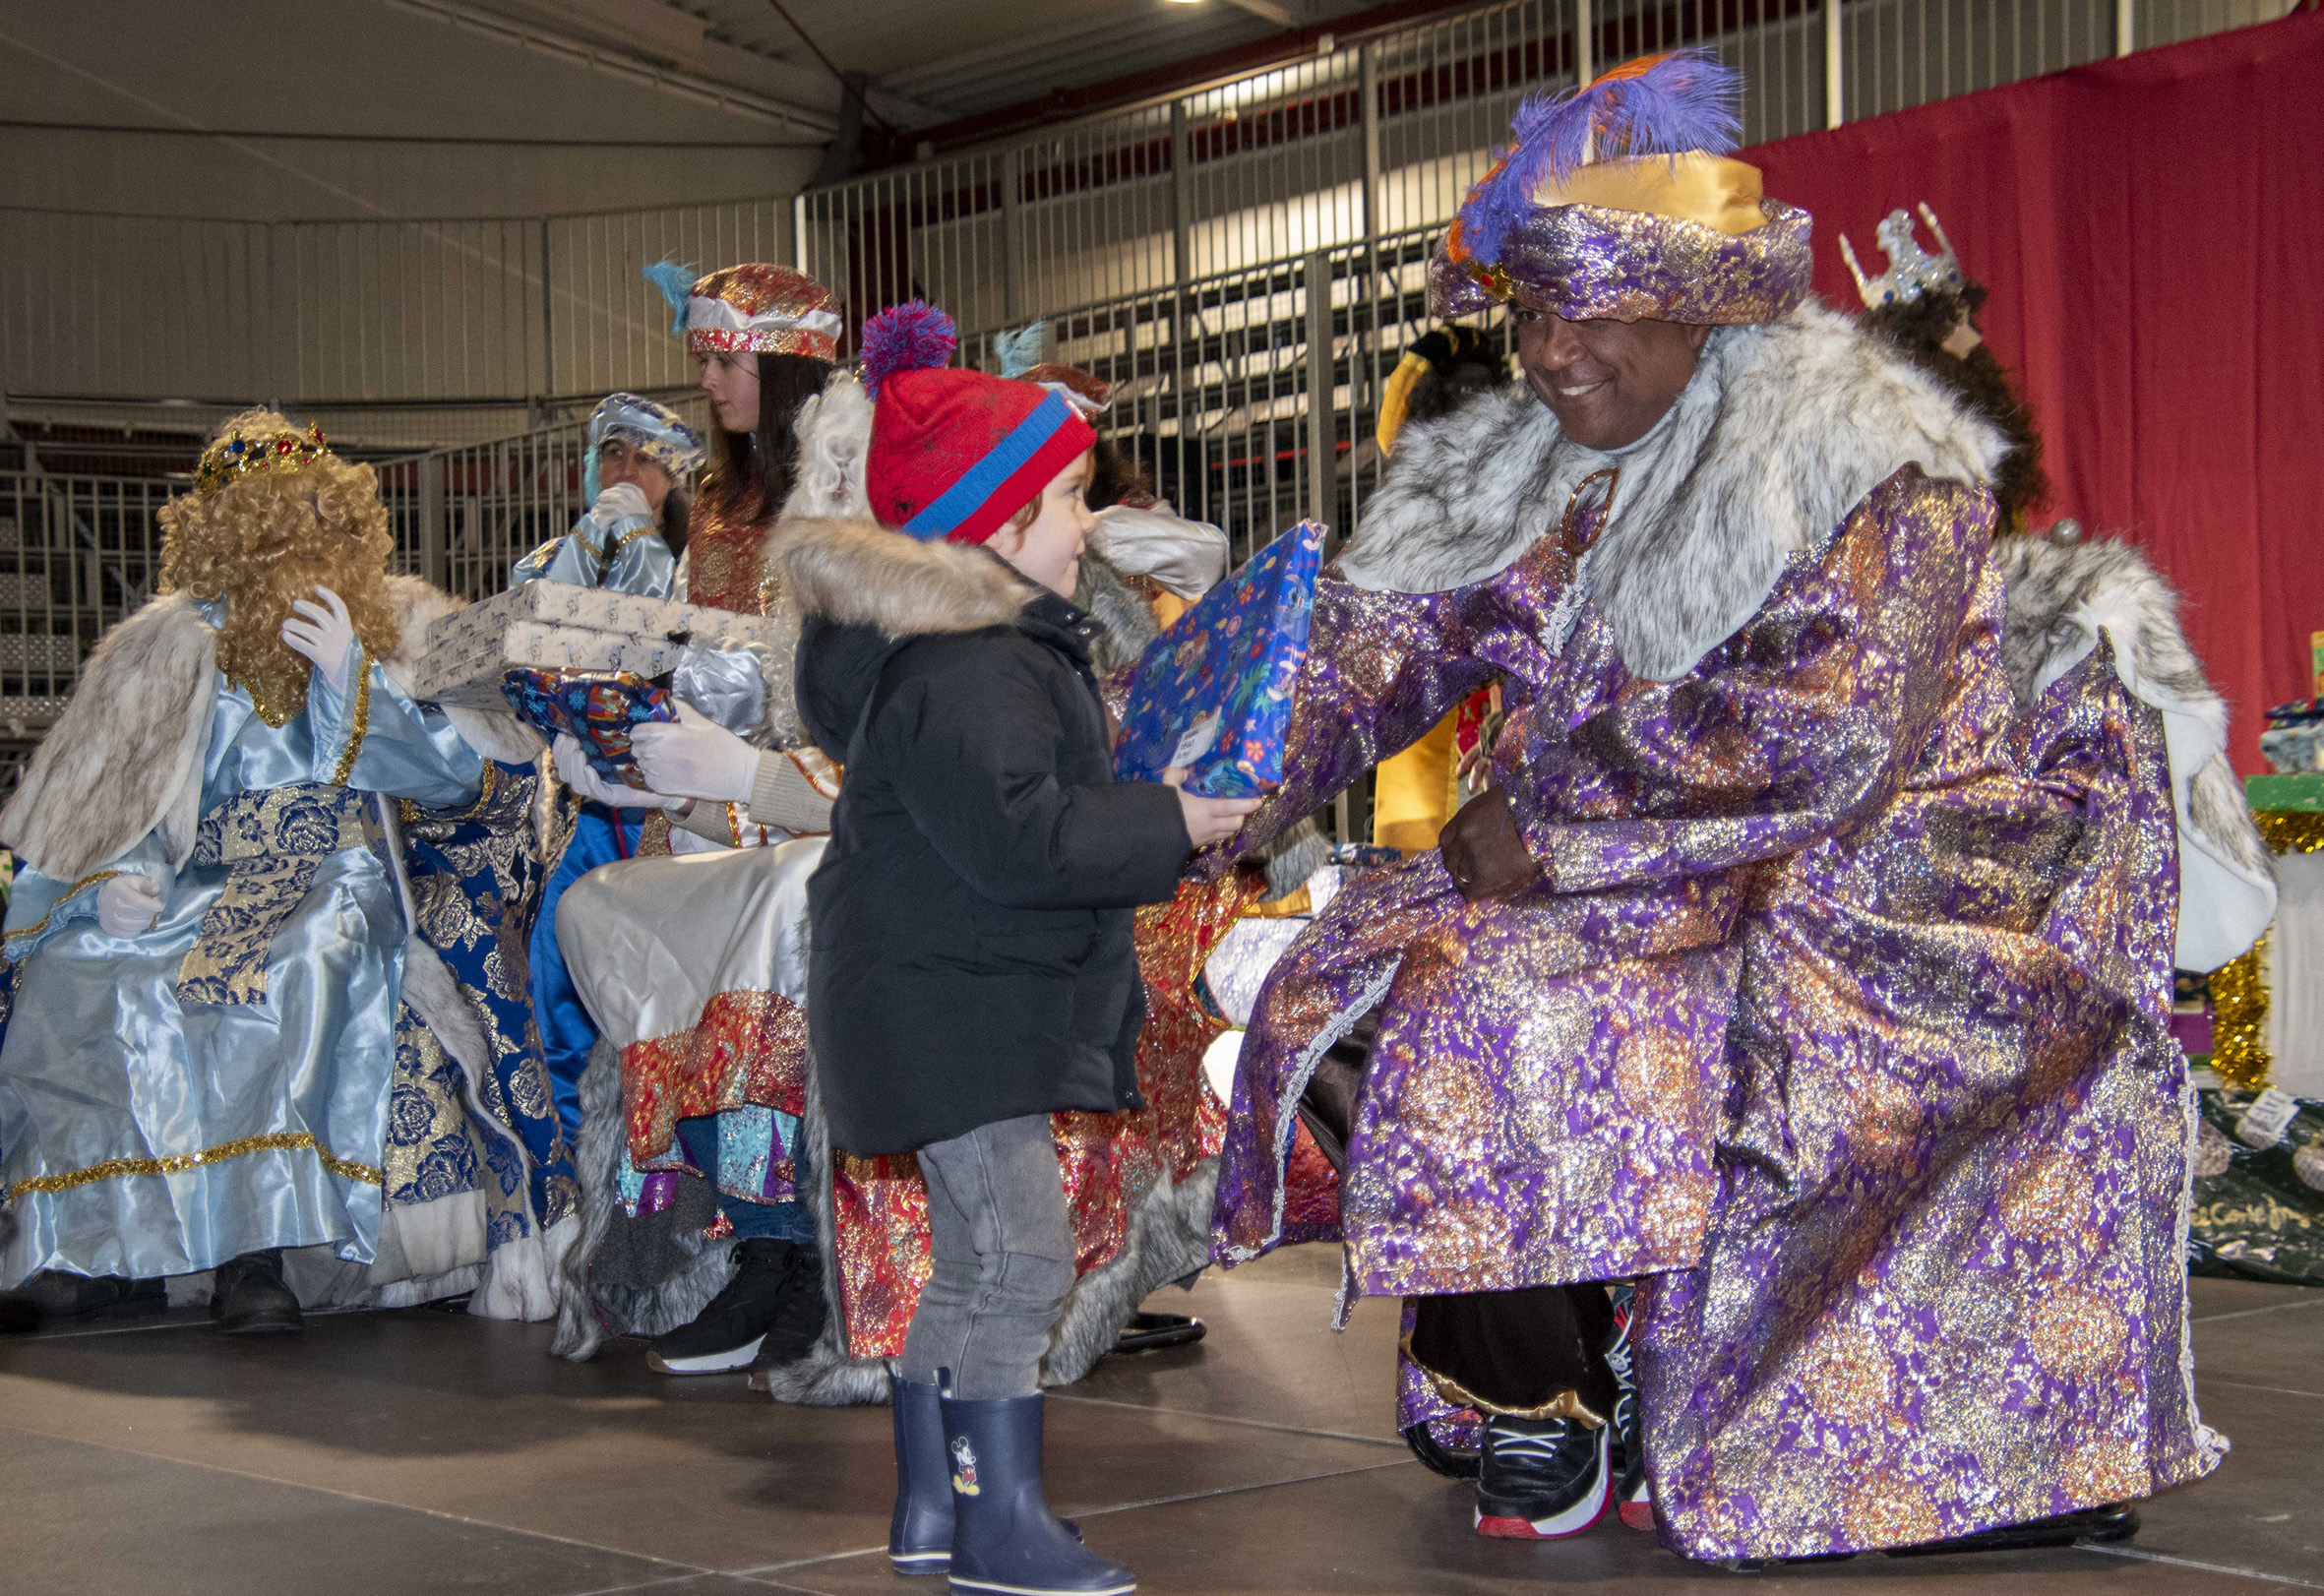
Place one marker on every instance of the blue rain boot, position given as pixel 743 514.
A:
pixel 1005 1538
pixel 920 1535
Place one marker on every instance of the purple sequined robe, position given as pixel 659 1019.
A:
pixel 1838 1018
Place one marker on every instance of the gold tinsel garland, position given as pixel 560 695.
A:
pixel 2292 831
pixel 2240 1054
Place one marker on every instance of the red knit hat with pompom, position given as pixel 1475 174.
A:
pixel 955 453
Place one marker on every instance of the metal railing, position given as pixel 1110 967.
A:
pixel 463 515
pixel 503 311
pixel 1378 136
pixel 1385 133
pixel 76 554
pixel 1242 263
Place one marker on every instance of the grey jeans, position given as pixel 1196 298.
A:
pixel 1002 1259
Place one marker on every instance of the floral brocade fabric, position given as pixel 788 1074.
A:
pixel 477 882
pixel 1839 1016
pixel 723 559
pixel 747 1048
pixel 1108 1162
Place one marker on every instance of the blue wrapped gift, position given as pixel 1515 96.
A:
pixel 598 709
pixel 1213 693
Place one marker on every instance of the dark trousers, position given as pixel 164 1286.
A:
pixel 1539 1352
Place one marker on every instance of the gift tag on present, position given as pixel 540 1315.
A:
pixel 2263 1123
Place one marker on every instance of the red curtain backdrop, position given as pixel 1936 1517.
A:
pixel 2152 232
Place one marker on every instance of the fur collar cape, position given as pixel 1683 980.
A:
pixel 1782 430
pixel 125 757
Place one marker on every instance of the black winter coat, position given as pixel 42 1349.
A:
pixel 971 918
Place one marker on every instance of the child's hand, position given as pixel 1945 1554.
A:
pixel 1209 819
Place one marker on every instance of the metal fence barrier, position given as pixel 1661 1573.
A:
pixel 1386 131
pixel 1379 134
pixel 1244 263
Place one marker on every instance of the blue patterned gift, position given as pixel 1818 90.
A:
pixel 598 709
pixel 1213 693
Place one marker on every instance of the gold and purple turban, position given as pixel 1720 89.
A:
pixel 1621 200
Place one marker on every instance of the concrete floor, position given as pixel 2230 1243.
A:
pixel 419 1451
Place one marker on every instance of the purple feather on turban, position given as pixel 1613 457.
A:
pixel 1669 105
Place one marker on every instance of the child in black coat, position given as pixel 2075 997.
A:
pixel 972 969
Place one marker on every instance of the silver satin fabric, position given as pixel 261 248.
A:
pixel 594 555
pixel 723 684
pixel 103 1061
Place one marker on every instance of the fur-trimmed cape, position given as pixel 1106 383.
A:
pixel 1783 429
pixel 125 757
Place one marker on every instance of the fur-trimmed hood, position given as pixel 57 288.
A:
pixel 125 757
pixel 1783 429
pixel 862 592
pixel 858 573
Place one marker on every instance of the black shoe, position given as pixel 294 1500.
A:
pixel 1451 1462
pixel 727 1334
pixel 62 1298
pixel 1152 1332
pixel 247 1296
pixel 2092 1526
pixel 1543 1479
pixel 797 1322
pixel 1625 1449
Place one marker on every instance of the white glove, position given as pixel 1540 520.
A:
pixel 617 498
pixel 697 757
pixel 127 906
pixel 325 636
pixel 583 777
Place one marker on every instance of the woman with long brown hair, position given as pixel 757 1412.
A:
pixel 720 1055
pixel 766 337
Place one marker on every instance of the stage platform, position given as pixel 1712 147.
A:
pixel 422 1450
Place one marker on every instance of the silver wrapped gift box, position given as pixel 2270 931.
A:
pixel 553 625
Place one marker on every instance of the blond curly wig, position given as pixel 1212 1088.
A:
pixel 271 538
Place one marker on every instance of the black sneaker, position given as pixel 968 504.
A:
pixel 62 1298
pixel 247 1296
pixel 1625 1450
pixel 1543 1479
pixel 798 1319
pixel 726 1334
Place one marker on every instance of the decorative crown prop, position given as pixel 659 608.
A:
pixel 1912 270
pixel 237 456
pixel 1620 199
pixel 1673 104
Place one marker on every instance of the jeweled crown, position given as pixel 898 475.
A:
pixel 237 456
pixel 1912 270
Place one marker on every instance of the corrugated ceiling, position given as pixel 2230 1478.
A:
pixel 951 58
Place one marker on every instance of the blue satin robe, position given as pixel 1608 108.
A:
pixel 160 1116
pixel 639 563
